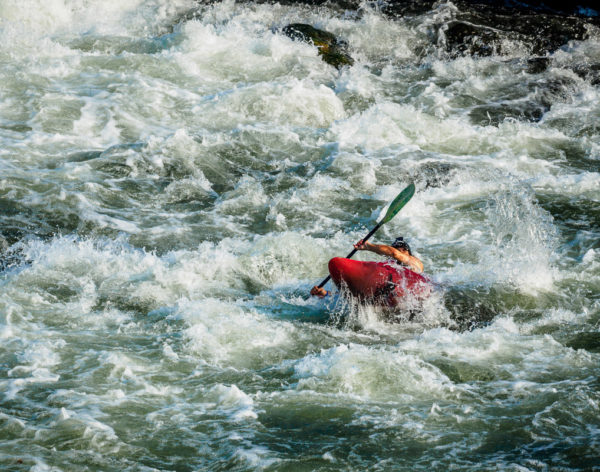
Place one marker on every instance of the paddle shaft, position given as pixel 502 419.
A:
pixel 354 250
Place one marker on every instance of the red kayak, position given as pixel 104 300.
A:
pixel 385 283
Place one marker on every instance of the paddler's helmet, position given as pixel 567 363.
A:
pixel 400 243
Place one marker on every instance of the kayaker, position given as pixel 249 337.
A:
pixel 399 251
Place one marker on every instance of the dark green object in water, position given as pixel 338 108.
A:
pixel 332 50
pixel 401 200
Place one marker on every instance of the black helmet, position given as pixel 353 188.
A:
pixel 400 243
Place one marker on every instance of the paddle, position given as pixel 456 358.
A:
pixel 399 202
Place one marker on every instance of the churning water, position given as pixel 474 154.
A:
pixel 174 178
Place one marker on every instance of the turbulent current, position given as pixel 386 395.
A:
pixel 175 176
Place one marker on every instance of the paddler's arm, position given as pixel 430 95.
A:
pixel 319 292
pixel 383 250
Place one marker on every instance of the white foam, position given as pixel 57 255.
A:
pixel 372 374
pixel 232 399
pixel 500 348
pixel 223 334
pixel 36 363
pixel 556 317
pixel 38 376
pixel 402 127
pixel 585 185
pixel 295 102
pixel 217 52
pixel 375 37
pixel 256 457
pixel 87 16
pixel 513 242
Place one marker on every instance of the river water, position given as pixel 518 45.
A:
pixel 173 180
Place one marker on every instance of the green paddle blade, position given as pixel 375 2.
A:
pixel 401 200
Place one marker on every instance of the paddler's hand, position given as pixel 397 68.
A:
pixel 361 246
pixel 319 292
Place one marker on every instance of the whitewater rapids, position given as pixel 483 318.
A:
pixel 174 178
